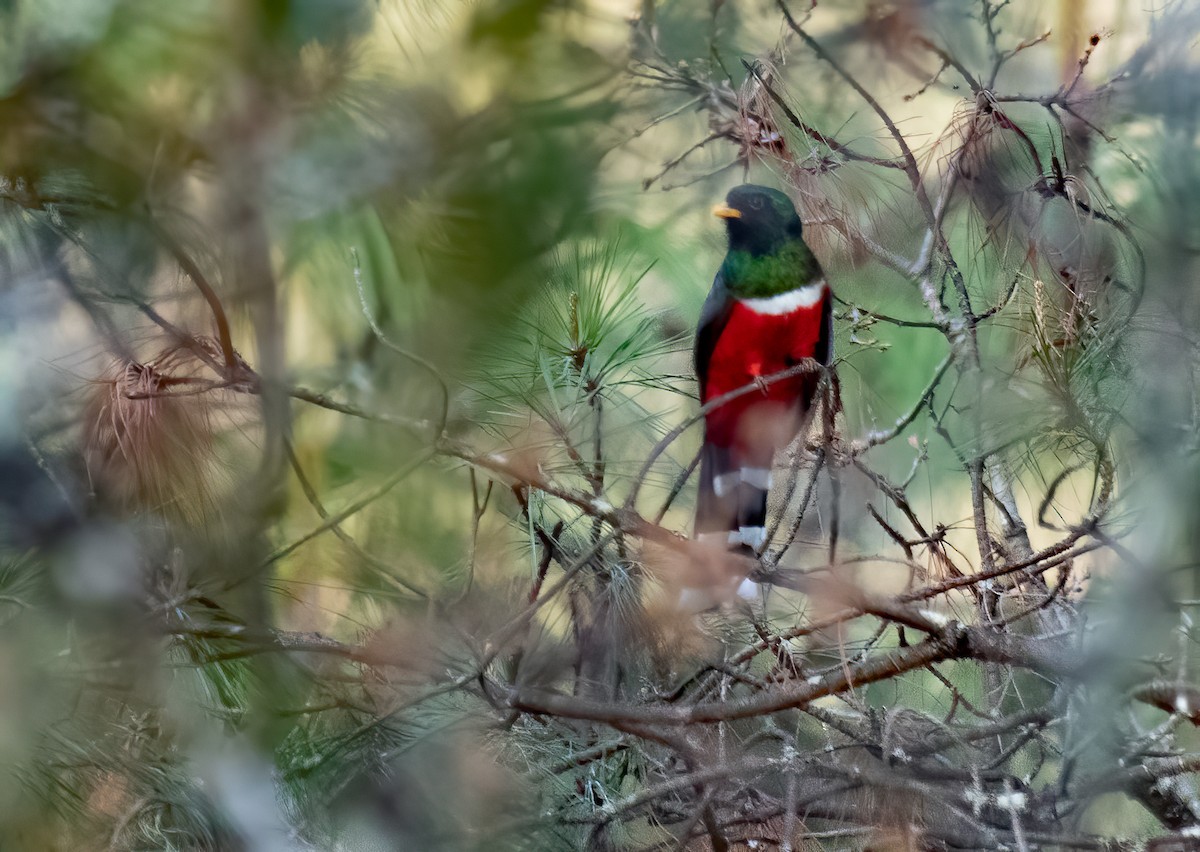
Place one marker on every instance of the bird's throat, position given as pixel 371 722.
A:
pixel 756 276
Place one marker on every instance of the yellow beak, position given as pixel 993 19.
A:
pixel 726 212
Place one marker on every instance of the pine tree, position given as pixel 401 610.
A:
pixel 350 439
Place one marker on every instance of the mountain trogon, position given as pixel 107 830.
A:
pixel 769 307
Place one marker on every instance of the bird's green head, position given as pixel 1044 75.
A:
pixel 760 220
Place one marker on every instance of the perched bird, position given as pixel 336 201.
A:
pixel 768 309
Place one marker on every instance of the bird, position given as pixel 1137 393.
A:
pixel 769 308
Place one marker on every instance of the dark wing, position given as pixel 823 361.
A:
pixel 824 348
pixel 713 317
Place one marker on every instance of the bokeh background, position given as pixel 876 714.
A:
pixel 300 301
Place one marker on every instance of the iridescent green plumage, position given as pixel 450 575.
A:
pixel 789 266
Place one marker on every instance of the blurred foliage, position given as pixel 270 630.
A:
pixel 335 335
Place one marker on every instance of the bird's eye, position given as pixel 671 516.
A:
pixel 756 203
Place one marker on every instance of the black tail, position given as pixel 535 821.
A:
pixel 733 498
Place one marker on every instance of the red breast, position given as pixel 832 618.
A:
pixel 761 337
